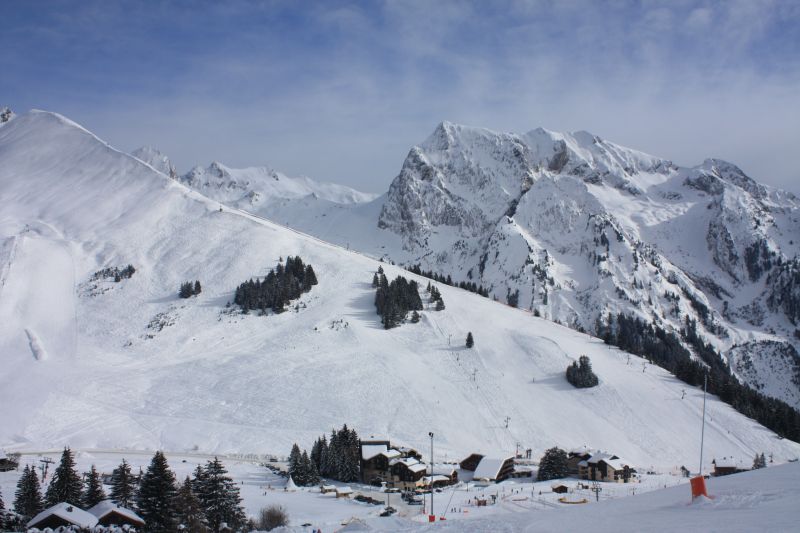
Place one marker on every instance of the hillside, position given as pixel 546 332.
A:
pixel 105 364
pixel 582 231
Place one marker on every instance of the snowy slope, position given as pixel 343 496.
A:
pixel 580 227
pixel 94 363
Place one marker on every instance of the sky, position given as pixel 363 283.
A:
pixel 340 91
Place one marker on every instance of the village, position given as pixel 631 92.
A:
pixel 395 480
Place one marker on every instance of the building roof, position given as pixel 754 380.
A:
pixel 490 467
pixel 368 451
pixel 344 490
pixel 107 507
pixel 427 479
pixel 727 462
pixel 391 453
pixel 596 458
pixel 68 512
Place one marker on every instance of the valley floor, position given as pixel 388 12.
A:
pixel 765 499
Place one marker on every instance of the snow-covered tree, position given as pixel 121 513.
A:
pixel 294 462
pixel 66 485
pixel 156 496
pixel 759 461
pixel 553 465
pixel 94 489
pixel 189 511
pixel 123 486
pixel 28 497
pixel 470 340
pixel 219 498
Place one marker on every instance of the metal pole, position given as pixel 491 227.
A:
pixel 433 513
pixel 703 430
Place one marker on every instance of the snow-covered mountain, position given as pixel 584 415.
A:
pixel 577 228
pixel 156 159
pixel 91 362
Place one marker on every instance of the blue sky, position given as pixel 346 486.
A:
pixel 340 91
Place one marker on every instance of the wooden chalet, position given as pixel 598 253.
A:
pixel 407 473
pixel 559 488
pixel 375 458
pixel 471 463
pixel 109 514
pixel 576 456
pixel 605 467
pixel 726 466
pixel 63 515
pixel 494 469
pixel 8 462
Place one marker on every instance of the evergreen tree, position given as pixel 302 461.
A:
pixel 440 304
pixel 580 374
pixel 197 288
pixel 28 497
pixel 759 461
pixel 553 465
pixel 186 289
pixel 188 509
pixel 94 489
pixel 219 498
pixel 66 485
pixel 123 486
pixel 470 340
pixel 294 467
pixel 414 317
pixel 324 453
pixel 375 281
pixel 156 496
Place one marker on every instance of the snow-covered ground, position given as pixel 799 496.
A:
pixel 129 365
pixel 765 499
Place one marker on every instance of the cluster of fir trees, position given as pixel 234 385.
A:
pixel 189 289
pixel 447 280
pixel 553 465
pixel 337 457
pixel 666 350
pixel 282 284
pixel 303 471
pixel 396 299
pixel 436 297
pixel 580 374
pixel 201 504
pixel 114 272
pixel 759 461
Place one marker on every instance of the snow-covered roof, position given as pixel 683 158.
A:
pixel 427 479
pixel 419 467
pixel 727 462
pixel 107 507
pixel 489 467
pixel 390 453
pixel 368 451
pixel 596 458
pixel 616 464
pixel 328 487
pixel 68 512
pixel 523 468
pixel 344 490
pixel 584 463
pixel 446 470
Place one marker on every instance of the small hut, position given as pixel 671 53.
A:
pixel 63 514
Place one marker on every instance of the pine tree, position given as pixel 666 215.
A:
pixel 294 467
pixel 156 496
pixel 553 465
pixel 324 454
pixel 94 489
pixel 375 281
pixel 414 317
pixel 440 304
pixel 123 486
pixel 219 498
pixel 188 509
pixel 28 497
pixel 197 288
pixel 470 340
pixel 66 485
pixel 759 461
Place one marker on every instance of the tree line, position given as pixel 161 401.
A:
pixel 470 286
pixel 283 284
pixel 666 350
pixel 201 504
pixel 335 458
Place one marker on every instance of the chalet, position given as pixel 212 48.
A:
pixel 559 488
pixel 471 463
pixel 407 473
pixel 576 456
pixel 109 514
pixel 443 475
pixel 375 458
pixel 494 468
pixel 605 467
pixel 63 514
pixel 8 462
pixel 522 471
pixel 326 489
pixel 727 466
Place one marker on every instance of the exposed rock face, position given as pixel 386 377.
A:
pixel 582 227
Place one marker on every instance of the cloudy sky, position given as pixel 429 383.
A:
pixel 339 91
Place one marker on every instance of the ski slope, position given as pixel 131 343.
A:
pixel 130 365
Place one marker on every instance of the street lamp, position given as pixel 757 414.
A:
pixel 433 513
